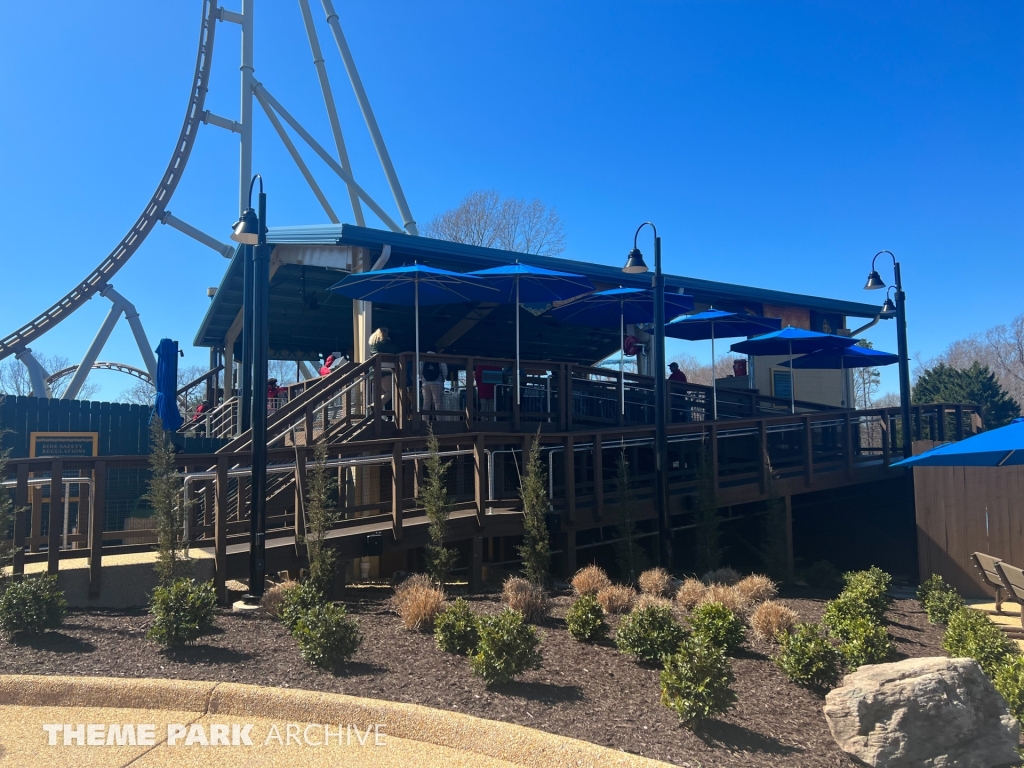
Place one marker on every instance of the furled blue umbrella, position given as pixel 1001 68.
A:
pixel 1002 447
pixel 166 404
pixel 716 323
pixel 415 285
pixel 788 341
pixel 521 282
pixel 844 359
pixel 632 305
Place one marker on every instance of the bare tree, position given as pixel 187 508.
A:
pixel 866 382
pixel 514 224
pixel 698 372
pixel 14 378
pixel 144 393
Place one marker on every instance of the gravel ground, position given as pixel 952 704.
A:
pixel 589 692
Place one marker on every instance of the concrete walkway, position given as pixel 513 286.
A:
pixel 107 722
pixel 1008 619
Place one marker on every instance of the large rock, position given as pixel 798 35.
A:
pixel 923 712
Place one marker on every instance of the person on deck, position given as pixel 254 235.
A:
pixel 380 344
pixel 432 376
pixel 676 374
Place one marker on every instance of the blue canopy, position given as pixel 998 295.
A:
pixel 166 405
pixel 851 357
pixel 521 282
pixel 1003 447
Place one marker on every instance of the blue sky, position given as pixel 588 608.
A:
pixel 774 144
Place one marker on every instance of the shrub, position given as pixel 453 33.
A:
pixel 616 599
pixel 182 612
pixel 456 628
pixel 507 647
pixel 656 581
pixel 32 606
pixel 770 618
pixel 727 596
pixel 696 680
pixel 844 610
pixel 590 580
pixel 529 599
pixel 933 583
pixel 690 593
pixel 321 515
pixel 726 576
pixel 821 574
pixel 327 637
pixel 756 589
pixel 585 619
pixel 865 642
pixel 871 586
pixel 296 601
pixel 1009 682
pixel 941 604
pixel 808 658
pixel 535 550
pixel 649 633
pixel 971 634
pixel 273 599
pixel 437 504
pixel 418 601
pixel 719 625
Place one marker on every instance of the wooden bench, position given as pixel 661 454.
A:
pixel 1013 581
pixel 986 566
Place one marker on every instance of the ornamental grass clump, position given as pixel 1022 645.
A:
pixel 182 612
pixel 418 600
pixel 526 597
pixel 645 601
pixel 727 576
pixel 617 599
pixel 648 634
pixel 727 596
pixel 971 634
pixel 457 628
pixel 273 599
pixel 690 593
pixel 327 636
pixel 719 625
pixel 507 647
pixel 770 619
pixel 585 619
pixel 32 606
pixel 590 580
pixel 808 658
pixel 756 589
pixel 656 582
pixel 696 681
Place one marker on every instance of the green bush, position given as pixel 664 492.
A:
pixel 182 612
pixel 865 642
pixel 1009 681
pixel 297 601
pixel 456 628
pixel 719 625
pixel 871 587
pixel 327 637
pixel 808 658
pixel 821 574
pixel 849 607
pixel 585 619
pixel 696 680
pixel 507 647
pixel 933 583
pixel 32 606
pixel 971 634
pixel 649 633
pixel 940 604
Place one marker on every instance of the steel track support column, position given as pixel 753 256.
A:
pixel 93 353
pixel 37 375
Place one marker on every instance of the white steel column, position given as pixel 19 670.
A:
pixel 247 69
pixel 37 375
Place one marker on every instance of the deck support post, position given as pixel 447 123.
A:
pixel 220 530
pixel 56 520
pixel 20 502
pixel 96 519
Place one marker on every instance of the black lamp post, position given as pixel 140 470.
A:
pixel 875 282
pixel 246 232
pixel 252 231
pixel 635 266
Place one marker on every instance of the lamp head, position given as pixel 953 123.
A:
pixel 888 310
pixel 247 228
pixel 635 263
pixel 874 281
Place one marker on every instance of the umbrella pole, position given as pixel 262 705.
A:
pixel 518 401
pixel 622 360
pixel 792 381
pixel 416 373
pixel 714 384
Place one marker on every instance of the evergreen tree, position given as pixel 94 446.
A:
pixel 709 548
pixel 535 550
pixel 435 500
pixel 774 551
pixel 976 385
pixel 631 556
pixel 321 515
pixel 7 513
pixel 166 496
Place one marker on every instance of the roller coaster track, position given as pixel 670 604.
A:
pixel 154 210
pixel 131 370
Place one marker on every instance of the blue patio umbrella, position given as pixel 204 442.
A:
pixel 521 282
pixel 166 404
pixel 633 305
pixel 790 341
pixel 1002 447
pixel 716 323
pixel 844 359
pixel 415 285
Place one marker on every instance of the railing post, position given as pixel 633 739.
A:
pixel 848 442
pixel 470 392
pixel 713 431
pixel 620 415
pixel 480 479
pixel 307 423
pixel 220 529
pixel 516 410
pixel 378 396
pixel 300 496
pixel 56 524
pixel 563 394
pixel 20 502
pixel 97 517
pixel 397 489
pixel 762 442
pixel 808 451
pixel 598 476
pixel 886 428
pixel 568 397
pixel 917 421
pixel 570 479
pixel 959 422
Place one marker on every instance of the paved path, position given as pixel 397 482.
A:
pixel 115 722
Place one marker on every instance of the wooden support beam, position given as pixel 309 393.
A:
pixel 470 393
pixel 397 490
pixel 848 443
pixel 713 432
pixel 56 524
pixel 789 534
pixel 97 517
pixel 20 504
pixel 598 476
pixel 476 565
pixel 220 530
pixel 570 553
pixel 480 477
pixel 764 460
pixel 570 479
pixel 808 451
pixel 563 396
pixel 378 397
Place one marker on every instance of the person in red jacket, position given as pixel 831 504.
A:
pixel 676 375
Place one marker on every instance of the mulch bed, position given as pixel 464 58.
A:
pixel 588 692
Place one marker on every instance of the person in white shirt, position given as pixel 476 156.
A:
pixel 432 377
